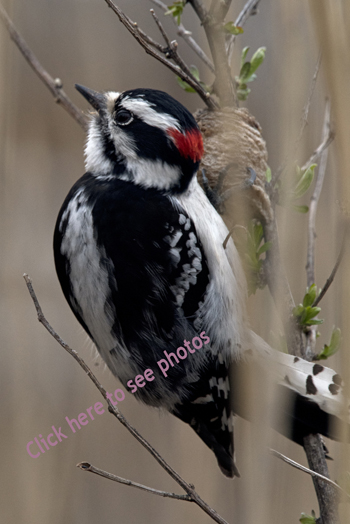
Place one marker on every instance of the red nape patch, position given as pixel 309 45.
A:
pixel 190 144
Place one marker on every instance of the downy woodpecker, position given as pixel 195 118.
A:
pixel 140 258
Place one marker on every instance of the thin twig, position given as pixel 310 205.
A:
pixel 154 49
pixel 307 470
pixel 331 277
pixel 318 152
pixel 85 466
pixel 187 36
pixel 171 48
pixel 313 158
pixel 160 27
pixel 249 9
pixel 310 265
pixel 55 86
pixel 188 488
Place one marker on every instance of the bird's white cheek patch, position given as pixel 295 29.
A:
pixel 95 159
pixel 123 143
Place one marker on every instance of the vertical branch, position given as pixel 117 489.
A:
pixel 187 36
pixel 331 22
pixel 279 288
pixel 275 275
pixel 313 445
pixel 310 266
pixel 212 22
pixel 326 494
pixel 310 257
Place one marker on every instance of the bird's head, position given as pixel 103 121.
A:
pixel 144 136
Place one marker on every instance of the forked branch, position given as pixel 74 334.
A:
pixel 162 53
pixel 187 36
pixel 188 488
pixel 313 444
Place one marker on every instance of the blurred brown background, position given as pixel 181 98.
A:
pixel 41 155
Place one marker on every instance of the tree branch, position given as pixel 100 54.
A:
pixel 212 22
pixel 171 48
pixel 310 265
pixel 249 9
pixel 188 488
pixel 279 287
pixel 313 445
pixel 318 152
pixel 187 36
pixel 326 494
pixel 54 85
pixel 85 466
pixel 154 49
pixel 275 275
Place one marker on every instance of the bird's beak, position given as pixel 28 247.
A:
pixel 97 100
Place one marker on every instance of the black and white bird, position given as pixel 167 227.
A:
pixel 140 258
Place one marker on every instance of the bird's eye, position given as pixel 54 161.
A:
pixel 123 117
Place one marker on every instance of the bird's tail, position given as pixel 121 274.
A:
pixel 312 394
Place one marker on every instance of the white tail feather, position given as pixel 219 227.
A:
pixel 314 381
